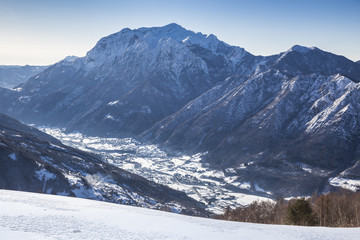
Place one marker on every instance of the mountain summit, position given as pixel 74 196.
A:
pixel 287 123
pixel 129 80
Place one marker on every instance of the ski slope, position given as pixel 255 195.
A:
pixel 39 216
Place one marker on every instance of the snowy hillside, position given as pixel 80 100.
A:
pixel 297 132
pixel 33 161
pixel 39 216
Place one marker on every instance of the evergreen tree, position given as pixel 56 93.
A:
pixel 300 212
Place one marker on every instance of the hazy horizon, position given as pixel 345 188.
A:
pixel 43 32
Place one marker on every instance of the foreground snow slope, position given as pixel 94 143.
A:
pixel 39 216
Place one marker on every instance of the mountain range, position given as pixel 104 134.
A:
pixel 12 75
pixel 287 123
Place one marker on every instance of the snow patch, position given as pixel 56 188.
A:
pixel 350 184
pixel 108 116
pixel 113 103
pixel 259 189
pixel 13 156
pixel 17 89
pixel 245 185
pixel 24 99
pixel 44 175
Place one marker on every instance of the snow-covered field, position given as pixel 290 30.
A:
pixel 41 216
pixel 218 189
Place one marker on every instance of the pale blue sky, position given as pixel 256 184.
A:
pixel 40 32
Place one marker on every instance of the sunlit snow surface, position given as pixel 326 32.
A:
pixel 40 216
pixel 350 184
pixel 184 173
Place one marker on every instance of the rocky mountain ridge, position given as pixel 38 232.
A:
pixel 104 86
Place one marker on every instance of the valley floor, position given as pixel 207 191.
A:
pixel 217 189
pixel 39 216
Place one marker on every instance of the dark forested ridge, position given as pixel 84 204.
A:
pixel 33 161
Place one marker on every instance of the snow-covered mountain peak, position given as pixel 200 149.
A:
pixel 149 35
pixel 143 41
pixel 149 40
pixel 297 49
pixel 301 49
pixel 172 28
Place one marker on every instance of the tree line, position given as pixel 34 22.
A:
pixel 335 209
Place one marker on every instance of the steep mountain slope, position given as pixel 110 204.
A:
pixel 33 161
pixel 11 76
pixel 273 128
pixel 288 134
pixel 271 101
pixel 128 81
